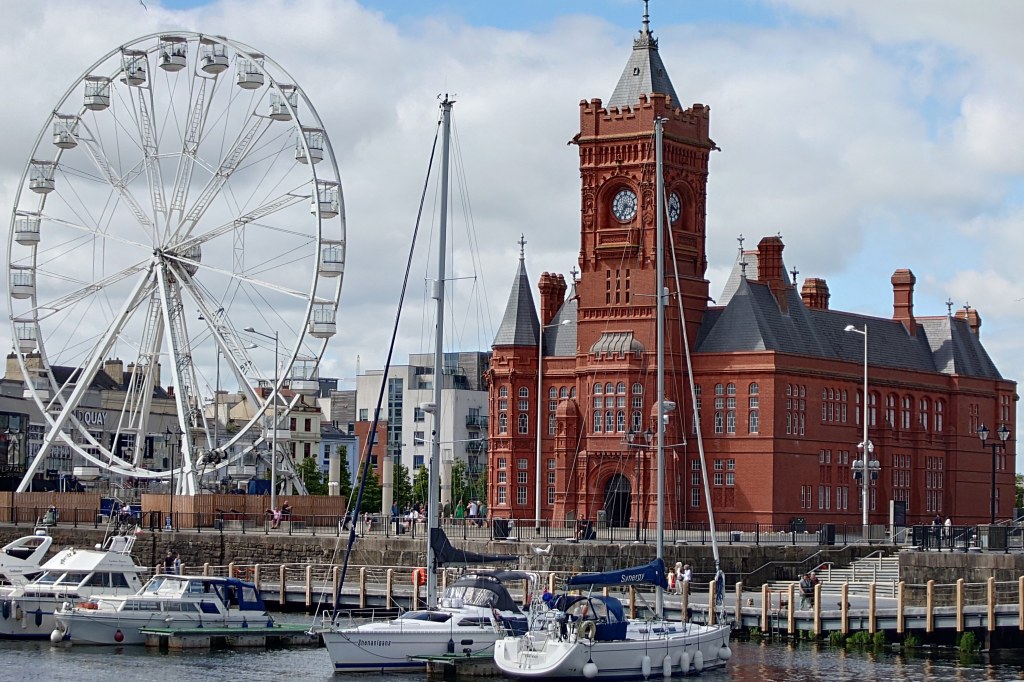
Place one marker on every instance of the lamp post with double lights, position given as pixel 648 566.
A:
pixel 862 467
pixel 644 445
pixel 1003 433
pixel 273 437
pixel 540 417
pixel 170 454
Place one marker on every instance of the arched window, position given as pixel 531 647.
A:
pixel 754 389
pixel 925 417
pixel 563 392
pixel 524 424
pixel 598 421
pixel 524 392
pixel 730 389
pixel 620 388
pixel 939 409
pixel 890 411
pixel 502 422
pixel 905 418
pixel 609 388
pixel 572 392
pixel 730 422
pixel 598 389
pixel 719 425
pixel 873 410
pixel 503 391
pixel 719 389
pixel 620 420
pixel 638 389
pixel 636 420
pixel 752 423
pixel 609 421
pixel 552 392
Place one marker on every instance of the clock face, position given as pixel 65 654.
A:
pixel 624 205
pixel 674 207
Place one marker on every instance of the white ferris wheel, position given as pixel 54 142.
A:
pixel 181 215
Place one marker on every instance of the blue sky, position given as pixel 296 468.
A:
pixel 872 135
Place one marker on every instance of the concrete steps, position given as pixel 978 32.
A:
pixel 884 571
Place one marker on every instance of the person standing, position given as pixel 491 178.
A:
pixel 460 513
pixel 806 591
pixel 482 512
pixel 687 574
pixel 677 574
pixel 473 509
pixel 169 563
pixel 176 566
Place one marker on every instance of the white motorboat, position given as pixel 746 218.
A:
pixel 71 575
pixel 474 612
pixel 20 560
pixel 166 601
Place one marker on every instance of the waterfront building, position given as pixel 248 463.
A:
pixel 778 375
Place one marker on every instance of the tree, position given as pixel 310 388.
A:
pixel 1020 490
pixel 345 477
pixel 421 487
pixel 311 476
pixel 371 494
pixel 402 490
pixel 460 492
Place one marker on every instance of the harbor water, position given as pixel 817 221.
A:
pixel 752 662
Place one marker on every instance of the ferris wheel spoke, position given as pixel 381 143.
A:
pixel 189 150
pixel 102 163
pixel 98 233
pixel 144 119
pixel 86 290
pixel 263 284
pixel 223 333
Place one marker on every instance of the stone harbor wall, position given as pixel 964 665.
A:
pixel 945 568
pixel 751 563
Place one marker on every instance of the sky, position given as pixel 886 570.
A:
pixel 871 135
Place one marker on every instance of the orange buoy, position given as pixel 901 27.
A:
pixel 419 576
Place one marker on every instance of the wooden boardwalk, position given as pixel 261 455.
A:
pixel 928 608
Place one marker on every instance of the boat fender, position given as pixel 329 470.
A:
pixel 39 617
pixel 119 636
pixel 698 660
pixel 666 666
pixel 725 653
pixel 451 645
pixel 19 614
pixel 590 670
pixel 684 662
pixel 57 635
pixel 645 666
pixel 5 609
pixel 588 630
pixel 419 576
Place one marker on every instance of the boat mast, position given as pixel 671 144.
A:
pixel 659 236
pixel 438 296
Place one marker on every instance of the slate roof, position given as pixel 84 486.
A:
pixel 520 325
pixel 644 73
pixel 751 321
pixel 560 335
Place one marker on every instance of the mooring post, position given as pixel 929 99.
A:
pixel 960 605
pixel 844 608
pixel 899 607
pixel 929 605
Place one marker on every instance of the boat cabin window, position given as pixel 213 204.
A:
pixel 473 622
pixel 432 616
pixel 72 578
pixel 185 606
pixel 249 595
pixel 472 596
pixel 198 587
pixel 140 605
pixel 100 579
pixel 590 609
pixel 49 577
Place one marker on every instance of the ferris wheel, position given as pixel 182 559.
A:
pixel 179 229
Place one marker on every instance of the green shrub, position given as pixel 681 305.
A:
pixel 859 640
pixel 968 645
pixel 911 641
pixel 879 640
pixel 836 638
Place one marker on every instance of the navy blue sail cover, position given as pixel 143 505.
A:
pixel 648 574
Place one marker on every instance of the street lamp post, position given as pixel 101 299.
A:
pixel 540 419
pixel 865 447
pixel 648 438
pixel 273 437
pixel 1003 433
pixel 170 454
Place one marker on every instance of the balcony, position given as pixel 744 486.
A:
pixel 476 447
pixel 477 420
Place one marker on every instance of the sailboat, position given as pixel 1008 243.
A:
pixel 476 610
pixel 588 635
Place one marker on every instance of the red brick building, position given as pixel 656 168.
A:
pixel 778 375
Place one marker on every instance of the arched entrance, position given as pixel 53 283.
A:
pixel 617 501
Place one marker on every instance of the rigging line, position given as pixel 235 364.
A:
pixel 693 400
pixel 365 460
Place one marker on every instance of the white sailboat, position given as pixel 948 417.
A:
pixel 477 609
pixel 589 636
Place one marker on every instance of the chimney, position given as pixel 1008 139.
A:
pixel 170 391
pixel 552 295
pixel 815 293
pixel 972 317
pixel 770 271
pixel 115 370
pixel 903 281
